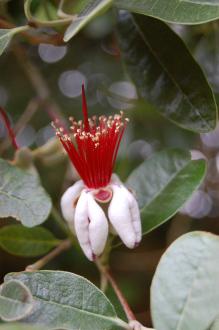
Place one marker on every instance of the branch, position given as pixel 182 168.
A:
pixel 55 39
pixel 133 323
pixel 63 246
pixel 105 271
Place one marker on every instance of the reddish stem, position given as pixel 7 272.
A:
pixel 84 108
pixel 9 128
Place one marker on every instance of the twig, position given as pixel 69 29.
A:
pixel 55 39
pixel 64 245
pixel 105 271
pixel 39 84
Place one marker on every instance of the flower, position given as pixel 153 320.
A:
pixel 92 146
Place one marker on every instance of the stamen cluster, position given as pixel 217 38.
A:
pixel 92 145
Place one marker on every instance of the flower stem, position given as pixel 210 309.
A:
pixel 108 275
pixel 63 246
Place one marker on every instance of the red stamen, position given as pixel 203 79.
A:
pixel 84 109
pixel 9 128
pixel 95 145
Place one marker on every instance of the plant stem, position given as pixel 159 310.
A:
pixel 63 246
pixel 106 272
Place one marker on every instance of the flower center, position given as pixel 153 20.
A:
pixel 103 195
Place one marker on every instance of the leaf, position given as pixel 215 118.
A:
pixel 163 183
pixel 21 196
pixel 206 54
pixel 45 13
pixel 90 9
pixel 15 301
pixel 19 326
pixel 174 11
pixel 70 301
pixel 183 292
pixel 215 325
pixel 27 242
pixel 6 35
pixel 172 82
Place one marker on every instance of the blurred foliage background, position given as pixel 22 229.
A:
pixel 36 70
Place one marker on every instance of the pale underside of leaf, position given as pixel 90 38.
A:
pixel 93 8
pixel 183 294
pixel 22 196
pixel 71 301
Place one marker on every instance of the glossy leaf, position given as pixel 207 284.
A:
pixel 27 242
pixel 21 196
pixel 175 11
pixel 71 301
pixel 183 292
pixel 163 183
pixel 206 53
pixel 179 92
pixel 15 301
pixel 88 11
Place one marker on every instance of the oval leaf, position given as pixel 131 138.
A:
pixel 27 242
pixel 163 183
pixel 183 292
pixel 22 197
pixel 175 11
pixel 91 8
pixel 71 301
pixel 15 301
pixel 179 92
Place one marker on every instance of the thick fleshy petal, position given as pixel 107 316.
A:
pixel 91 225
pixel 68 200
pixel 82 225
pixel 98 227
pixel 120 216
pixel 135 214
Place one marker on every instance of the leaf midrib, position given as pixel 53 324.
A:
pixel 80 311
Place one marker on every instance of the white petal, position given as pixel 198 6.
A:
pixel 135 213
pixel 121 217
pixel 68 199
pixel 82 225
pixel 98 227
pixel 91 225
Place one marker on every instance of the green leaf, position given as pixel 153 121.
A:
pixel 206 54
pixel 27 242
pixel 43 13
pixel 6 35
pixel 70 301
pixel 19 326
pixel 88 10
pixel 15 301
pixel 175 11
pixel 215 325
pixel 21 196
pixel 184 291
pixel 163 183
pixel 172 82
